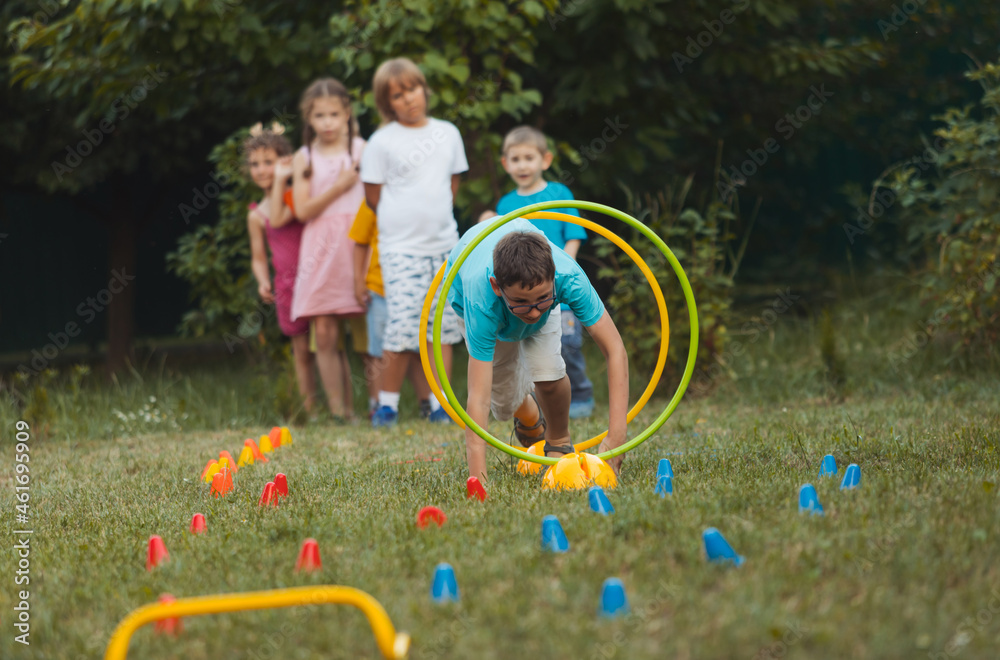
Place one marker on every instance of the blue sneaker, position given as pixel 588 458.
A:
pixel 578 409
pixel 439 416
pixel 384 416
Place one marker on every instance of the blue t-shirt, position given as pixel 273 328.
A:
pixel 487 319
pixel 555 230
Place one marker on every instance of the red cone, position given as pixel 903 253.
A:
pixel 269 496
pixel 275 436
pixel 430 514
pixel 168 626
pixel 157 553
pixel 309 560
pixel 281 484
pixel 197 524
pixel 475 489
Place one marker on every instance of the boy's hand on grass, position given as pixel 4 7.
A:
pixel 615 462
pixel 265 293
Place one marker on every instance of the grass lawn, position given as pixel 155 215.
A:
pixel 908 565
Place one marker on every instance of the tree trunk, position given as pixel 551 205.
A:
pixel 121 269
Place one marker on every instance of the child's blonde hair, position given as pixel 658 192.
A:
pixel 401 70
pixel 323 88
pixel 528 135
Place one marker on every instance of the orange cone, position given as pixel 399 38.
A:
pixel 269 496
pixel 281 484
pixel 197 524
pixel 309 560
pixel 257 454
pixel 156 553
pixel 430 514
pixel 170 627
pixel 229 457
pixel 275 436
pixel 222 482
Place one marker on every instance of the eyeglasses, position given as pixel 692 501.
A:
pixel 541 305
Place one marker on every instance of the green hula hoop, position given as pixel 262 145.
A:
pixel 587 206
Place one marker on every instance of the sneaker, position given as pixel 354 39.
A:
pixel 384 416
pixel 425 409
pixel 439 416
pixel 578 409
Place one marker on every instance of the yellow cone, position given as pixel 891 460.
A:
pixel 527 467
pixel 286 436
pixel 265 445
pixel 210 472
pixel 246 457
pixel 575 471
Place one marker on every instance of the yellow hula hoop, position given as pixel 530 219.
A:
pixel 661 358
pixel 391 643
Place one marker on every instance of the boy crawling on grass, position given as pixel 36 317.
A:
pixel 504 294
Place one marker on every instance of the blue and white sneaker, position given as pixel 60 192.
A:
pixel 384 416
pixel 580 409
pixel 439 416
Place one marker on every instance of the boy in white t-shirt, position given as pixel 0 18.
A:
pixel 410 170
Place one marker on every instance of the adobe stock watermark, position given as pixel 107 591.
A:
pixel 21 31
pixel 363 33
pixel 86 310
pixel 881 548
pixel 794 633
pixel 753 328
pixel 882 198
pixel 248 325
pixel 485 88
pixel 698 44
pixel 610 131
pixel 122 107
pixel 463 625
pixel 638 618
pixel 900 15
pixel 564 11
pixel 786 127
pixel 970 626
pixel 914 341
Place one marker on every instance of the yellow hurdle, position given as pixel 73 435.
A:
pixel 393 645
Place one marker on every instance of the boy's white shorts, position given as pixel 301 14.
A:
pixel 518 365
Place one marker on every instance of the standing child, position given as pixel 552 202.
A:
pixel 411 174
pixel 327 193
pixel 370 293
pixel 505 292
pixel 266 153
pixel 525 156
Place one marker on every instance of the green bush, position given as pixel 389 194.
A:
pixel 951 217
pixel 702 241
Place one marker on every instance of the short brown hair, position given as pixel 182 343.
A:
pixel 403 71
pixel 523 257
pixel 266 139
pixel 525 135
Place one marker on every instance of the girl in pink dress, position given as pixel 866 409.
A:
pixel 327 193
pixel 268 155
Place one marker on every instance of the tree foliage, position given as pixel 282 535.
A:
pixel 952 215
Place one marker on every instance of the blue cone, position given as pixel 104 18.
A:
pixel 664 486
pixel 852 477
pixel 444 588
pixel 614 602
pixel 664 469
pixel 718 549
pixel 828 468
pixel 553 536
pixel 809 501
pixel 599 501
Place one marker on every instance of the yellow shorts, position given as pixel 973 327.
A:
pixel 354 326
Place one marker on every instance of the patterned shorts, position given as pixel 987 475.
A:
pixel 407 279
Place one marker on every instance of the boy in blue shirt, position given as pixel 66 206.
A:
pixel 525 157
pixel 504 294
